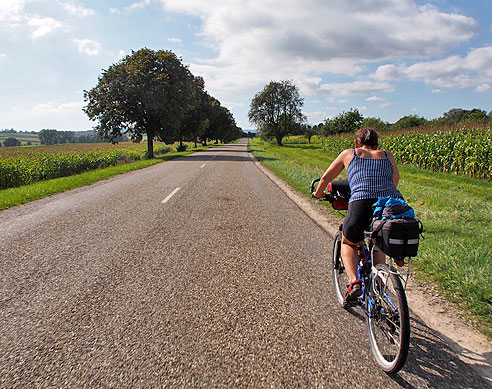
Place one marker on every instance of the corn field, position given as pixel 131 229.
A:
pixel 465 152
pixel 21 166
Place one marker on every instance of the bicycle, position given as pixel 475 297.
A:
pixel 383 296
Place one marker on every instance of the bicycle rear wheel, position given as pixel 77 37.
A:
pixel 340 279
pixel 388 321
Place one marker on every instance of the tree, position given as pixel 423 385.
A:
pixel 375 123
pixel 474 116
pixel 409 121
pixel 9 142
pixel 276 110
pixel 48 137
pixel 197 120
pixel 344 122
pixel 308 131
pixel 454 115
pixel 222 125
pixel 146 93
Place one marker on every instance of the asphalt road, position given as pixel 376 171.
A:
pixel 132 282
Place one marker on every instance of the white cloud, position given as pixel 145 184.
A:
pixel 114 10
pixel 78 10
pixel 356 88
pixel 88 46
pixel 473 70
pixel 374 98
pixel 436 91
pixel 139 4
pixel 52 114
pixel 386 104
pixel 43 26
pixel 482 88
pixel 11 10
pixel 175 40
pixel 285 39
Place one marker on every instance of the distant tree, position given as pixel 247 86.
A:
pixel 48 137
pixel 146 93
pixel 409 121
pixel 344 122
pixel 223 127
pixel 197 120
pixel 276 110
pixel 309 131
pixel 376 123
pixel 454 115
pixel 9 142
pixel 473 116
pixel 29 143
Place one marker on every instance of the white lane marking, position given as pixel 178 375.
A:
pixel 214 157
pixel 170 195
pixel 203 165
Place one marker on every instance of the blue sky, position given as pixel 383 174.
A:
pixel 388 58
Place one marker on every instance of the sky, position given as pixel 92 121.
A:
pixel 387 58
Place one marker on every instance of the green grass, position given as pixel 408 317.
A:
pixel 456 254
pixel 21 195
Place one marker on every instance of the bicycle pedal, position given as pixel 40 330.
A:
pixel 347 304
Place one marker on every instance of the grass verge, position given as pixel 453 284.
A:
pixel 456 254
pixel 23 194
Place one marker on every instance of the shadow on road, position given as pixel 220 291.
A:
pixel 236 155
pixel 431 361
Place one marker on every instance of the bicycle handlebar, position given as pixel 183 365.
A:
pixel 338 193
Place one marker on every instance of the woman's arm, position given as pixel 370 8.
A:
pixel 396 172
pixel 331 173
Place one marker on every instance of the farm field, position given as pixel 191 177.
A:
pixel 25 165
pixel 27 157
pixel 22 137
pixel 456 212
pixel 463 151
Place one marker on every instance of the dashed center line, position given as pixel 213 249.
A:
pixel 203 165
pixel 170 195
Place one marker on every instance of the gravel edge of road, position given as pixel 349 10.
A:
pixel 470 346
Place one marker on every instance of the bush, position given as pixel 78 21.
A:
pixel 9 142
pixel 181 147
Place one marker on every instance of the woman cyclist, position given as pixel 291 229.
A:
pixel 371 173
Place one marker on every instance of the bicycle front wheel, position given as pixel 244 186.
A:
pixel 340 280
pixel 388 320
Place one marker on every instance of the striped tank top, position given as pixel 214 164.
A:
pixel 371 178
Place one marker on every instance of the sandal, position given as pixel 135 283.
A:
pixel 354 290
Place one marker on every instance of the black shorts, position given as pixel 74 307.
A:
pixel 358 219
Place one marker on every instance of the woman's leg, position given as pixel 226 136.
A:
pixel 349 258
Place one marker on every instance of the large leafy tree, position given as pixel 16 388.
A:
pixel 146 93
pixel 276 110
pixel 222 125
pixel 344 122
pixel 409 121
pixel 197 120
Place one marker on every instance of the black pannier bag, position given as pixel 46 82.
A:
pixel 341 189
pixel 395 229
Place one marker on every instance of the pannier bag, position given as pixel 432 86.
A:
pixel 395 229
pixel 341 189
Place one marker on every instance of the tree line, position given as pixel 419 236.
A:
pixel 151 93
pixel 276 111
